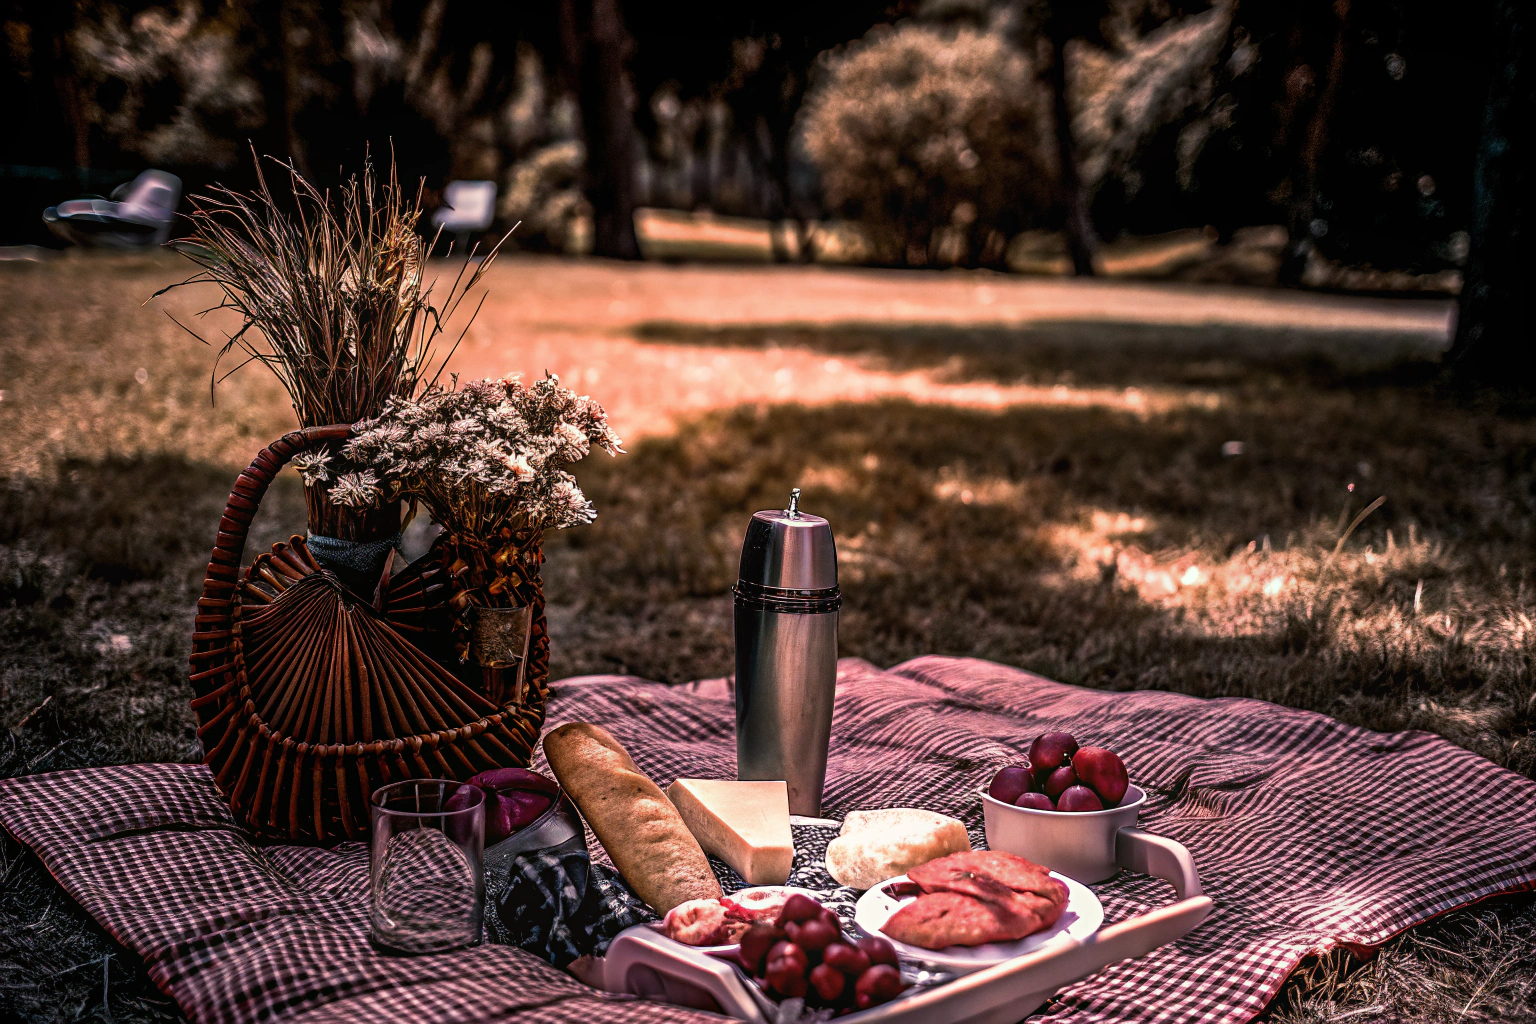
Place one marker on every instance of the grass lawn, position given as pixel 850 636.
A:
pixel 1117 486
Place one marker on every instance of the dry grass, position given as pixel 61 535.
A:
pixel 332 290
pixel 1008 479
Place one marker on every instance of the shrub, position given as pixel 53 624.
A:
pixel 936 139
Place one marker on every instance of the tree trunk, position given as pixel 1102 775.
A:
pixel 596 48
pixel 1493 331
pixel 1082 243
pixel 292 35
pixel 1304 179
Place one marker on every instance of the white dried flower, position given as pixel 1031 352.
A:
pixel 314 467
pixel 521 469
pixel 356 490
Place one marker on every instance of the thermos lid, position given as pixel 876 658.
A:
pixel 789 550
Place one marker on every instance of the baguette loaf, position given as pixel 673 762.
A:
pixel 637 825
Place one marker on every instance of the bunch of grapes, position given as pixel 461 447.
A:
pixel 1060 776
pixel 805 955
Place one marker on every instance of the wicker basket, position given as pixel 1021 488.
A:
pixel 309 697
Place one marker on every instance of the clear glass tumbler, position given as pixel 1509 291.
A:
pixel 428 886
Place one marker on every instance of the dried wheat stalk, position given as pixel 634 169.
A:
pixel 335 290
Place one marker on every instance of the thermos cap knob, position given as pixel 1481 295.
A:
pixel 786 549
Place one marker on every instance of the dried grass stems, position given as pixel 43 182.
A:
pixel 336 289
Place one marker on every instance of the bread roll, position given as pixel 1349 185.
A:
pixel 636 824
pixel 876 845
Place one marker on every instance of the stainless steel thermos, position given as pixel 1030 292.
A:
pixel 786 652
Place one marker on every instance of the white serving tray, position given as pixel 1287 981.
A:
pixel 643 962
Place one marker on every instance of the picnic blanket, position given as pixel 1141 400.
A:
pixel 1308 834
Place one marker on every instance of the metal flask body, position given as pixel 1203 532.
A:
pixel 787 604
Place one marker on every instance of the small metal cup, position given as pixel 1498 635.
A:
pixel 787 603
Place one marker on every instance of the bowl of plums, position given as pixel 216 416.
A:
pixel 1062 807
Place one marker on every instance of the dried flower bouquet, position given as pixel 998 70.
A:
pixel 334 300
pixel 488 462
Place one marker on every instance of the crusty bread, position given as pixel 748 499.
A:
pixel 635 822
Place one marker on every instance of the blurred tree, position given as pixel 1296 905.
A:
pixel 1494 343
pixel 1059 22
pixel 754 63
pixel 597 48
pixel 1320 91
pixel 937 139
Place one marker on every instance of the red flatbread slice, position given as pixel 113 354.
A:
pixel 1017 873
pixel 939 919
pixel 1014 898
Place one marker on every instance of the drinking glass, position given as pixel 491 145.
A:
pixel 427 892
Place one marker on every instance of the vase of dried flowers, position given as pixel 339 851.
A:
pixel 488 461
pixel 335 302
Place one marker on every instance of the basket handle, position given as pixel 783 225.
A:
pixel 215 609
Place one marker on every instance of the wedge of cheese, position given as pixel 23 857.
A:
pixel 745 824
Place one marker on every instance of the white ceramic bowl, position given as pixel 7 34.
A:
pixel 1079 844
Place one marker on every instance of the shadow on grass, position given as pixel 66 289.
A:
pixel 998 535
pixel 1098 352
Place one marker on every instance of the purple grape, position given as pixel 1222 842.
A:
pixel 1051 751
pixel 799 907
pixel 1059 781
pixel 880 984
pixel 828 982
pixel 756 941
pixel 1079 798
pixel 1010 782
pixel 879 951
pixel 851 960
pixel 1035 802
pixel 814 935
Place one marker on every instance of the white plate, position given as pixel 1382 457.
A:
pixel 1080 919
pixel 735 947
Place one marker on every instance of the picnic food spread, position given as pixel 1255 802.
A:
pixel 745 824
pixel 966 899
pixel 881 844
pixel 1060 776
pixel 636 823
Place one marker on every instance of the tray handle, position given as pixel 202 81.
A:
pixel 1139 850
pixel 643 962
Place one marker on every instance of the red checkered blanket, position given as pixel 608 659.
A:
pixel 1308 834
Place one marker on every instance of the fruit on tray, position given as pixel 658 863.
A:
pixel 1059 781
pixel 745 824
pixel 1079 798
pixel 876 845
pixel 1057 766
pixel 633 819
pixel 703 923
pixel 977 897
pixel 1010 783
pixel 752 905
pixel 804 954
pixel 1103 772
pixel 1050 751
pixel 514 799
